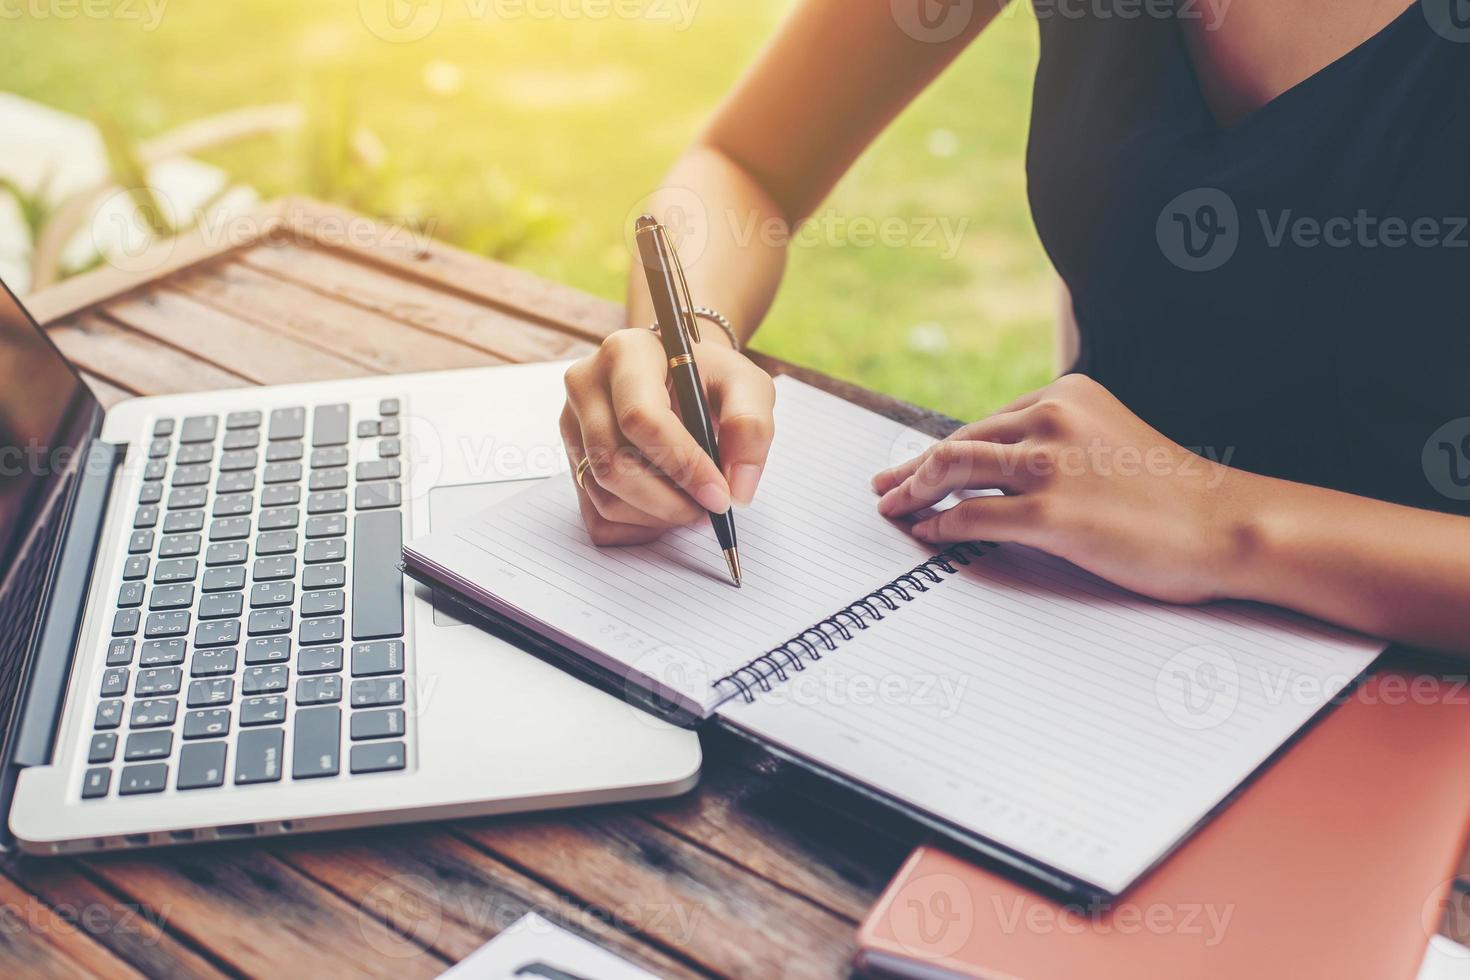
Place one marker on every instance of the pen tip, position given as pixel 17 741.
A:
pixel 732 561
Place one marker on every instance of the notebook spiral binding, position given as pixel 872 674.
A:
pixel 807 646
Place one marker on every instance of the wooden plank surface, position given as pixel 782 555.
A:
pixel 762 871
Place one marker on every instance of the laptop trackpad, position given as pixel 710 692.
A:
pixel 448 505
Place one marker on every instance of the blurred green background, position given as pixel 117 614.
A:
pixel 530 139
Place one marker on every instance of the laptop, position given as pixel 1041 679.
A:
pixel 205 634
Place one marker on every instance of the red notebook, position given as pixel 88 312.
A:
pixel 1334 863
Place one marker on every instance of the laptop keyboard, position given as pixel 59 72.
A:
pixel 242 628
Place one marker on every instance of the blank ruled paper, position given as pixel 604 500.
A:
pixel 1025 701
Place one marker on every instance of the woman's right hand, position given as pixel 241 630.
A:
pixel 647 474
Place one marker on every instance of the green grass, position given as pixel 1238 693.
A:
pixel 553 130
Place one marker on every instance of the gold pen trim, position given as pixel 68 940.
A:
pixel 681 360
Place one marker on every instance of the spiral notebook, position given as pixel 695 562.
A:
pixel 1000 696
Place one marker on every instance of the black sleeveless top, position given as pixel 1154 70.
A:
pixel 1205 300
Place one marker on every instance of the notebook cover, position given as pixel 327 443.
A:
pixel 1335 862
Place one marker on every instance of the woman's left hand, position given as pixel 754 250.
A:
pixel 1087 480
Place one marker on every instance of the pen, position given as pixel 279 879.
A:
pixel 678 330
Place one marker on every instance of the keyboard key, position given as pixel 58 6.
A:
pixel 327 480
pixel 388 406
pixel 194 455
pixel 284 452
pixel 176 570
pixel 319 660
pixel 179 545
pixel 377 692
pixel 258 756
pixel 326 549
pixel 367 428
pixel 287 423
pixel 317 742
pixel 199 428
pixel 191 476
pixel 334 457
pixel 374 496
pixel 389 448
pixel 326 689
pixel 241 439
pixel 238 459
pixel 95 783
pixel 233 505
pixel 219 690
pixel 280 495
pixel 135 568
pixel 212 663
pixel 154 469
pixel 388 427
pixel 151 493
pixel 155 681
pixel 187 498
pixel 268 710
pixel 222 605
pixel 163 427
pixel 324 576
pixel 377 584
pixel 227 553
pixel 272 679
pixel 276 543
pixel 163 653
pixel 162 624
pixel 314 631
pixel 272 569
pixel 147 777
pixel 140 543
pixel 229 529
pixel 224 579
pixel 125 622
pixel 209 723
pixel 329 602
pixel 115 682
pixel 146 516
pixel 242 481
pixel 268 622
pixel 154 713
pixel 142 746
pixel 379 469
pixel 120 652
pixel 183 520
pixel 109 715
pixel 327 502
pixel 377 659
pixel 202 765
pixel 326 526
pixel 279 518
pixel 103 747
pixel 171 597
pixel 281 473
pixel 130 595
pixel 378 757
pixel 264 595
pixel 268 650
pixel 377 724
pixel 224 633
pixel 329 425
pixel 158 448
pixel 243 420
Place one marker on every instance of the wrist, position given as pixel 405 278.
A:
pixel 1254 529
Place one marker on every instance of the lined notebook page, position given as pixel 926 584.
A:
pixel 1044 709
pixel 667 612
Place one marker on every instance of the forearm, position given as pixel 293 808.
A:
pixel 1390 571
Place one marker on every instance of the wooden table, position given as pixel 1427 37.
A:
pixel 761 872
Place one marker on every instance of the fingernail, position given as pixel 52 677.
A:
pixel 713 498
pixel 744 478
pixel 887 501
pixel 922 530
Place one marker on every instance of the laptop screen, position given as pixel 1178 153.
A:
pixel 46 413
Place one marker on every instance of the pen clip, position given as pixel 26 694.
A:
pixel 688 321
pixel 688 324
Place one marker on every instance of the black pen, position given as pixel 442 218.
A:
pixel 679 331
